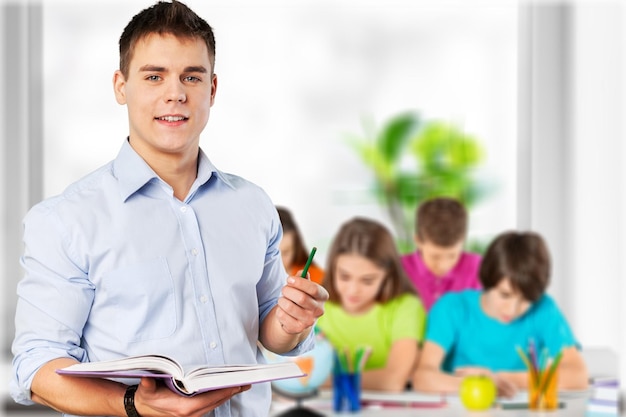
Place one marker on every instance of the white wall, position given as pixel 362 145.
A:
pixel 572 132
pixel 4 283
pixel 21 150
pixel 597 176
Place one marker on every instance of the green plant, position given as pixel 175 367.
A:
pixel 413 160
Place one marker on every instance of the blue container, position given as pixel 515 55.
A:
pixel 347 392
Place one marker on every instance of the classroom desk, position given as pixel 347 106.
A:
pixel 575 406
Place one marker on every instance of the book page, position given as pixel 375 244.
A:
pixel 156 363
pixel 203 370
pixel 199 380
pixel 239 376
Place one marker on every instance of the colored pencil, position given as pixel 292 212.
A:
pixel 550 372
pixel 308 262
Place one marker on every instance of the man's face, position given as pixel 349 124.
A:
pixel 169 93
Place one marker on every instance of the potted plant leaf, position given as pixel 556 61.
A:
pixel 414 159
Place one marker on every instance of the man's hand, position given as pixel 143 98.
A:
pixel 291 320
pixel 301 304
pixel 155 400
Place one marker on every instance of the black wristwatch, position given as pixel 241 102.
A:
pixel 129 401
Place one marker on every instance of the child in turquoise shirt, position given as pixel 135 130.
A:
pixel 372 303
pixel 478 332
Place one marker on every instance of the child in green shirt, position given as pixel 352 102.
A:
pixel 372 304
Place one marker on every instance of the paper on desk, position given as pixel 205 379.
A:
pixel 521 397
pixel 407 398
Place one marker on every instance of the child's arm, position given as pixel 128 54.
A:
pixel 397 372
pixel 509 382
pixel 428 376
pixel 573 373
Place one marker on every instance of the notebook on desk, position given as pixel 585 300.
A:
pixel 512 404
pixel 520 400
pixel 370 400
pixel 401 399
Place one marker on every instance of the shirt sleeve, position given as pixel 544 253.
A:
pixel 408 319
pixel 274 275
pixel 556 332
pixel 54 300
pixel 441 324
pixel 274 279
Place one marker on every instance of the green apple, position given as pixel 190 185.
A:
pixel 477 392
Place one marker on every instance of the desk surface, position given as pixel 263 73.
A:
pixel 575 406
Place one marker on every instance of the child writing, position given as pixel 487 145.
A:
pixel 479 332
pixel 440 264
pixel 372 304
pixel 292 249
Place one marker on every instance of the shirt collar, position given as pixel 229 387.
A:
pixel 133 172
pixel 206 170
pixel 429 277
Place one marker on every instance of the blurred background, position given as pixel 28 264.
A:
pixel 529 97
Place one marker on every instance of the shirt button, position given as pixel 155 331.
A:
pixel 194 251
pixel 204 299
pixel 183 209
pixel 213 345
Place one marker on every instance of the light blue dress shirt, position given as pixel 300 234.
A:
pixel 118 266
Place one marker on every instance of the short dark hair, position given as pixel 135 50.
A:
pixel 164 18
pixel 523 258
pixel 373 241
pixel 442 221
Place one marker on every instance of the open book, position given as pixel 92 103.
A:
pixel 191 382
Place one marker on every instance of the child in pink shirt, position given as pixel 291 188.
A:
pixel 440 264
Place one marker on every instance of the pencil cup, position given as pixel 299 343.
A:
pixel 544 395
pixel 346 392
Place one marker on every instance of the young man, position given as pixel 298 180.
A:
pixel 157 252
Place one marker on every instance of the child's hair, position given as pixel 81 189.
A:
pixel 373 241
pixel 523 258
pixel 300 254
pixel 164 18
pixel 442 221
